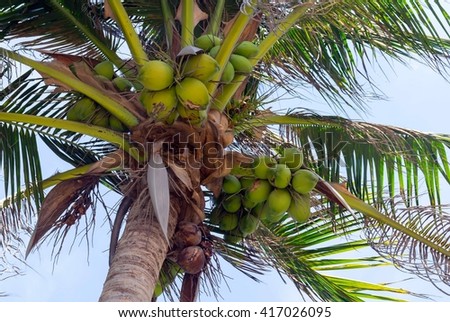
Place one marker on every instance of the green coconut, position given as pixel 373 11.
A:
pixel 259 191
pixel 300 207
pixel 100 117
pixel 116 125
pixel 279 176
pixel 261 166
pixel 228 73
pixel 159 104
pixel 202 66
pixel 82 110
pixel 200 120
pixel 122 84
pixel 192 93
pixel 248 224
pixel 268 215
pixel 292 157
pixel 232 203
pixel 241 64
pixel 246 182
pixel 257 211
pixel 156 75
pixel 216 215
pixel 229 221
pixel 247 49
pixel 279 200
pixel 247 203
pixel 194 116
pixel 206 42
pixel 105 68
pixel 173 116
pixel 231 184
pixel 304 180
pixel 214 50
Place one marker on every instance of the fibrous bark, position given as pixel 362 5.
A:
pixel 139 256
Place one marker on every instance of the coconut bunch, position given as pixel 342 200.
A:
pixel 86 110
pixel 190 254
pixel 167 97
pixel 168 90
pixel 239 60
pixel 179 90
pixel 272 188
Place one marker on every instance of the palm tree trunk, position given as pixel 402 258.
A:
pixel 139 256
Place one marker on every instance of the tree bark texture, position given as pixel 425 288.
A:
pixel 139 256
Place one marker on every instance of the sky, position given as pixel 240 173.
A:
pixel 416 98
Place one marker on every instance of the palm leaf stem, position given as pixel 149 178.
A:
pixel 169 23
pixel 283 27
pixel 47 183
pixel 187 23
pixel 131 37
pixel 87 129
pixel 229 42
pixel 366 209
pixel 222 99
pixel 216 19
pixel 114 107
pixel 110 54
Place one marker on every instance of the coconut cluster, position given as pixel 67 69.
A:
pixel 191 247
pixel 190 253
pixel 179 91
pixel 276 187
pixel 86 110
pixel 168 90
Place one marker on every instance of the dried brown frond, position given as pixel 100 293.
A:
pixel 64 205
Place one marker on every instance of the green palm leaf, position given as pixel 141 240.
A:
pixel 331 47
pixel 392 160
pixel 314 256
pixel 61 26
pixel 19 150
pixel 389 158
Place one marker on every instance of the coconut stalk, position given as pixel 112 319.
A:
pixel 230 41
pixel 112 106
pixel 131 37
pixel 222 98
pixel 187 23
pixel 169 22
pixel 110 54
pixel 216 18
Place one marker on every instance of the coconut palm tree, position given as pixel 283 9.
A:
pixel 138 97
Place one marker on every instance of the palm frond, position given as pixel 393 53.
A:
pixel 62 26
pixel 305 253
pixel 302 253
pixel 331 47
pixel 21 142
pixel 393 160
pixel 19 158
pixel 410 254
